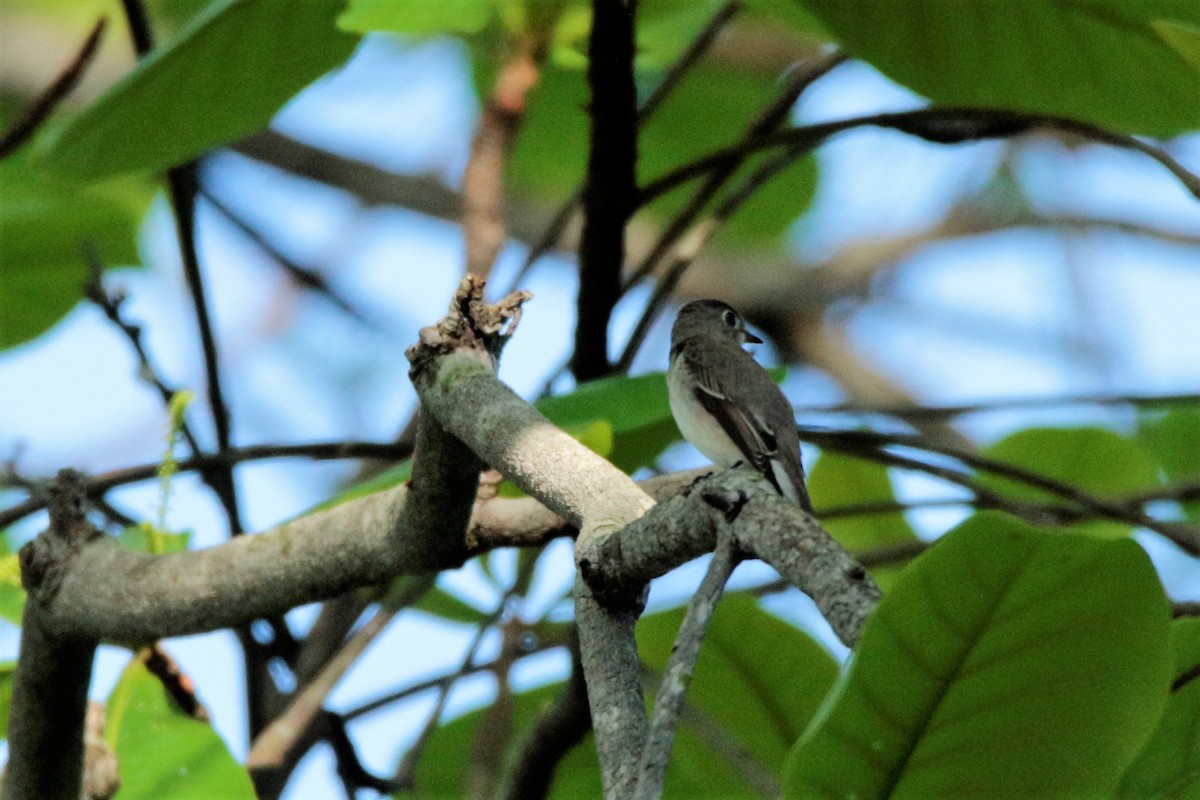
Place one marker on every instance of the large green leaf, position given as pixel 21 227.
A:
pixel 45 230
pixel 1007 662
pixel 222 77
pixel 758 681
pixel 1169 764
pixel 1088 59
pixel 839 480
pixel 1096 460
pixel 162 751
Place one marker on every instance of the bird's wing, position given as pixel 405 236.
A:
pixel 755 437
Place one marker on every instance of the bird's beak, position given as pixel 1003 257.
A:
pixel 751 338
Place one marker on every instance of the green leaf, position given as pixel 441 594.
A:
pixel 442 604
pixel 44 230
pixel 839 480
pixel 137 539
pixel 1169 764
pixel 222 77
pixel 1007 662
pixel 162 751
pixel 1183 38
pixel 389 478
pixel 1095 460
pixel 1040 56
pixel 636 410
pixel 12 593
pixel 1173 438
pixel 7 670
pixel 417 18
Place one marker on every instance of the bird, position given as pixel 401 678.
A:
pixel 726 404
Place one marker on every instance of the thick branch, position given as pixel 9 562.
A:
pixel 611 183
pixel 49 701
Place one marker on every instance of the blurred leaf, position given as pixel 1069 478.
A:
pixel 442 604
pixel 223 76
pixel 838 480
pixel 1169 764
pixel 162 751
pixel 1040 56
pixel 636 410
pixel 7 669
pixel 417 18
pixel 137 539
pixel 1173 438
pixel 1095 460
pixel 1183 38
pixel 44 230
pixel 753 667
pixel 12 593
pixel 1006 662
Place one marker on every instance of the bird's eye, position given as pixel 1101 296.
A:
pixel 730 318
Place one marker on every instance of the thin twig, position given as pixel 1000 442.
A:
pixel 44 104
pixel 671 79
pixel 686 248
pixel 947 412
pixel 111 306
pixel 668 703
pixel 302 276
pixel 941 125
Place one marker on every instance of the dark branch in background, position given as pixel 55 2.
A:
pixel 768 120
pixel 555 733
pixel 611 183
pixel 674 74
pixel 483 180
pixel 43 106
pixel 262 694
pixel 939 125
pixel 302 276
pixel 668 702
pixel 872 445
pixel 350 769
pixel 111 306
pixel 943 413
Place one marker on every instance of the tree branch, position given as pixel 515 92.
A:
pixel 668 702
pixel 49 700
pixel 611 184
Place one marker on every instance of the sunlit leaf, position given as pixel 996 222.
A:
pixel 1184 38
pixel 138 539
pixel 222 77
pixel 162 751
pixel 1007 662
pixel 46 233
pixel 1089 60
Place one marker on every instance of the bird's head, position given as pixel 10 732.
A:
pixel 711 318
